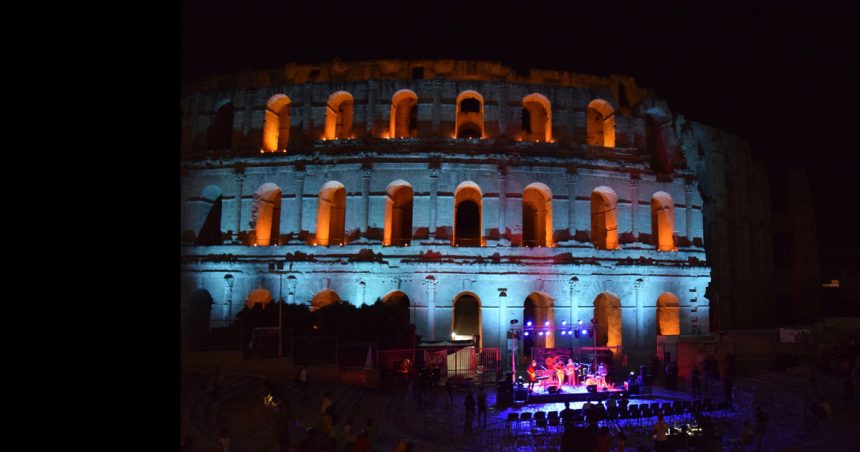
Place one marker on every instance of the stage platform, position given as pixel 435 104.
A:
pixel 578 394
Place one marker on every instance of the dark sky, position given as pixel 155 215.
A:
pixel 782 77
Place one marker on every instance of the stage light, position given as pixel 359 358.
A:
pixel 563 322
pixel 546 323
pixel 548 333
pixel 525 333
pixel 584 331
pixel 580 322
pixel 529 323
pixel 540 334
pixel 563 332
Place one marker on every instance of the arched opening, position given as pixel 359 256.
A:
pixel 397 308
pixel 260 297
pixel 607 314
pixel 537 118
pixel 663 221
pixel 537 215
pixel 276 130
pixel 398 214
pixel 466 322
pixel 538 309
pixel 331 212
pixel 468 219
pixel 220 132
pixel 470 115
pixel 209 217
pixel 604 218
pixel 338 116
pixel 404 114
pixel 324 298
pixel 600 124
pixel 668 312
pixel 197 318
pixel 266 214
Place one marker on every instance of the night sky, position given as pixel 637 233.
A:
pixel 784 78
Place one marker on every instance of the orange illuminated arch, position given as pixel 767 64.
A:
pixel 604 218
pixel 668 322
pixel 663 221
pixel 324 298
pixel 404 114
pixel 398 214
pixel 276 130
pixel 537 118
pixel 331 212
pixel 468 215
pixel 266 214
pixel 466 321
pixel 470 115
pixel 607 313
pixel 537 215
pixel 538 308
pixel 338 116
pixel 258 296
pixel 600 123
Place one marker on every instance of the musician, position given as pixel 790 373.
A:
pixel 601 374
pixel 532 372
pixel 570 371
pixel 559 372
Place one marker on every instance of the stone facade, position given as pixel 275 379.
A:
pixel 584 195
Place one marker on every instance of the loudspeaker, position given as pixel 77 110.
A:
pixel 591 388
pixel 521 395
pixel 552 389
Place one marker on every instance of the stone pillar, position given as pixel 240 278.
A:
pixel 573 285
pixel 362 292
pixel 634 208
pixel 637 291
pixel 501 103
pixel 430 285
pixel 247 118
pixel 366 174
pixel 307 117
pixel 372 86
pixel 227 306
pixel 571 203
pixel 437 104
pixel 300 196
pixel 434 174
pixel 688 209
pixel 291 289
pixel 240 184
pixel 503 322
pixel 502 172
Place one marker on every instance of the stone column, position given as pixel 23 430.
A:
pixel 503 322
pixel 246 120
pixel 240 184
pixel 366 174
pixel 688 209
pixel 291 289
pixel 634 208
pixel 430 285
pixel 573 285
pixel 372 86
pixel 502 172
pixel 571 203
pixel 227 306
pixel 437 104
pixel 300 195
pixel 637 290
pixel 433 174
pixel 362 292
pixel 307 117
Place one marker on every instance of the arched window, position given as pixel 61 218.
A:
pixel 466 321
pixel 197 318
pixel 260 297
pixel 398 214
pixel 668 323
pixel 266 214
pixel 470 115
pixel 537 215
pixel 604 218
pixel 276 131
pixel 663 221
pixel 538 309
pixel 600 124
pixel 404 114
pixel 607 313
pixel 331 212
pixel 324 298
pixel 338 116
pixel 537 118
pixel 220 133
pixel 397 307
pixel 208 217
pixel 468 219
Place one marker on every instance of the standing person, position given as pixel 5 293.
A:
pixel 482 407
pixel 449 388
pixel 469 404
pixel 327 402
pixel 620 441
pixel 696 384
pixel 728 385
pixel 559 372
pixel 760 425
pixel 217 382
pixel 532 373
pixel 661 440
pixel 302 378
pixel 570 371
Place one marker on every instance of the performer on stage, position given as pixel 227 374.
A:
pixel 559 372
pixel 601 374
pixel 532 372
pixel 570 371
